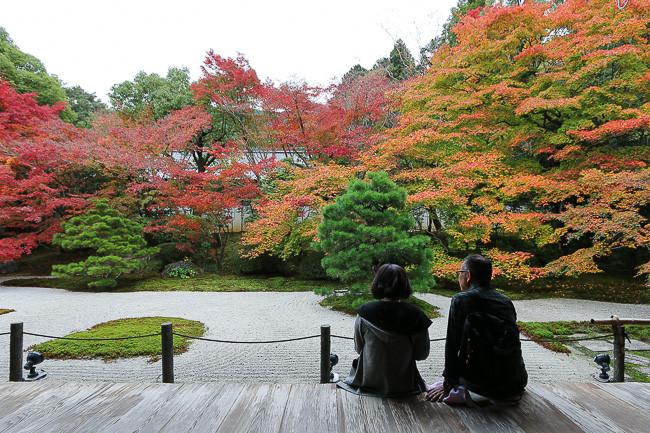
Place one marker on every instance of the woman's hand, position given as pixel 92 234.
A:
pixel 436 392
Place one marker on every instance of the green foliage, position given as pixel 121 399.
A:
pixel 308 265
pixel 117 241
pixel 368 226
pixel 355 72
pixel 349 304
pixel 152 95
pixel 399 65
pixel 107 350
pixel 28 75
pixel 183 269
pixel 84 104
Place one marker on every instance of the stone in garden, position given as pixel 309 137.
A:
pixel 637 360
pixel 637 345
pixel 597 345
pixel 182 267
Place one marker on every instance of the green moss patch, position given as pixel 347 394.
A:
pixel 561 330
pixel 205 283
pixel 108 350
pixel 348 304
pixel 5 311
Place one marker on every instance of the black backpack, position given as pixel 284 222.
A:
pixel 490 354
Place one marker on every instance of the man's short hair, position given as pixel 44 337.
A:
pixel 390 282
pixel 480 268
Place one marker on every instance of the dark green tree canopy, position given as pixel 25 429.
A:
pixel 85 105
pixel 27 74
pixel 116 240
pixel 400 64
pixel 153 95
pixel 354 72
pixel 368 226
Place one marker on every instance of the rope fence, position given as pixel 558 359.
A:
pixel 131 337
pixel 166 333
pixel 286 340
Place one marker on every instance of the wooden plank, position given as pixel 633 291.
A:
pixel 591 411
pixel 437 417
pixel 377 415
pixel 103 409
pixel 182 412
pixel 405 418
pixel 258 409
pixel 489 419
pixel 536 415
pixel 134 407
pixel 216 409
pixel 310 408
pixel 82 407
pixel 635 394
pixel 55 400
pixel 350 414
pixel 14 396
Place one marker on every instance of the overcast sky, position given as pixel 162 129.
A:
pixel 96 44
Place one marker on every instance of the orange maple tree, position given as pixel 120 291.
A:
pixel 531 135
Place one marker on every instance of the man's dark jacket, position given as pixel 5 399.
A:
pixel 489 301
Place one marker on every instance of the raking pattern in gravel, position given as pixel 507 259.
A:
pixel 257 316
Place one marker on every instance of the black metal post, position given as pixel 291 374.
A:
pixel 167 339
pixel 325 348
pixel 16 352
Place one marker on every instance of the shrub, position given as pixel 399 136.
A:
pixel 368 226
pixel 183 269
pixel 117 241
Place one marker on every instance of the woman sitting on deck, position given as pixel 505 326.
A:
pixel 389 336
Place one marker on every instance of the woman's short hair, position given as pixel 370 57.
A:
pixel 390 282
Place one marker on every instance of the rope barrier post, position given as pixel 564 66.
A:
pixel 325 349
pixel 167 339
pixel 619 352
pixel 16 352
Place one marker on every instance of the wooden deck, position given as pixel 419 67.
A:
pixel 49 406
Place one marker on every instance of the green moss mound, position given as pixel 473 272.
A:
pixel 349 303
pixel 108 350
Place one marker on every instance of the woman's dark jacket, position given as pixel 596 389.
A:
pixel 389 337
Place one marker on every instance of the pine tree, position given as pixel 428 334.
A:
pixel 368 226
pixel 116 239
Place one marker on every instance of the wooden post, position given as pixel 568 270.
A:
pixel 619 352
pixel 167 338
pixel 325 349
pixel 16 352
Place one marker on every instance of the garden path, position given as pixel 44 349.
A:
pixel 256 316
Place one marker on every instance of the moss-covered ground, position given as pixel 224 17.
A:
pixel 204 283
pixel 555 331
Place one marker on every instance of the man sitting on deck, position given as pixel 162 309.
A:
pixel 482 351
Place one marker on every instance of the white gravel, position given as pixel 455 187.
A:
pixel 256 316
